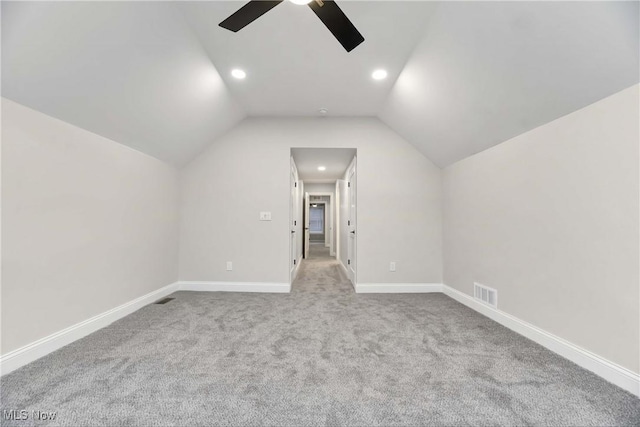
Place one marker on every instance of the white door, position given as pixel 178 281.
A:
pixel 306 225
pixel 294 214
pixel 351 189
pixel 327 226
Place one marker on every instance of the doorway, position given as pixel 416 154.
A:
pixel 319 208
pixel 317 223
pixel 325 203
pixel 351 221
pixel 295 223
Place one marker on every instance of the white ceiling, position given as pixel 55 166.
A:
pixel 336 160
pixel 295 66
pixel 155 75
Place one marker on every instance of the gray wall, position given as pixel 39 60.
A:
pixel 247 171
pixel 550 219
pixel 87 225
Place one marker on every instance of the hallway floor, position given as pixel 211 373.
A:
pixel 322 273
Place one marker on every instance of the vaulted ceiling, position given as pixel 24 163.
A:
pixel 463 76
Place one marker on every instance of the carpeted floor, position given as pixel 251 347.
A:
pixel 321 355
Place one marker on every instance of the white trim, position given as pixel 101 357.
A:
pixel 346 273
pixel 235 287
pixel 397 288
pixel 296 270
pixel 37 349
pixel 604 368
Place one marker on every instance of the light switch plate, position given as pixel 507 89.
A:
pixel 265 216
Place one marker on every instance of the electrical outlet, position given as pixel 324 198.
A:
pixel 392 266
pixel 229 266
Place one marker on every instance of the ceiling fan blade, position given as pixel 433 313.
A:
pixel 248 13
pixel 337 22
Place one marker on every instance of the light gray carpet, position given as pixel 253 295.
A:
pixel 321 355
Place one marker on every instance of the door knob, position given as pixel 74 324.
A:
pixel 353 232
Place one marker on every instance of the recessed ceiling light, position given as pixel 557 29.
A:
pixel 379 74
pixel 238 73
pixel 322 168
pixel 301 2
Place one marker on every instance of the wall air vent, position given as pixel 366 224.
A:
pixel 164 300
pixel 485 294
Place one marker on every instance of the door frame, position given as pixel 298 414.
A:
pixel 294 221
pixel 305 225
pixel 352 248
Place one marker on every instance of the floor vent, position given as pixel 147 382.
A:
pixel 164 300
pixel 485 294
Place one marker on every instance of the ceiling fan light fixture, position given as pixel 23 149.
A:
pixel 379 74
pixel 327 11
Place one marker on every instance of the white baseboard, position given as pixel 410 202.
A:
pixel 297 269
pixel 346 273
pixel 235 287
pixel 295 273
pixel 610 371
pixel 397 288
pixel 37 349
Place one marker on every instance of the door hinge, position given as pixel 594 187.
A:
pixel 294 222
pixel 295 184
pixel 348 262
pixel 294 262
pixel 349 222
pixel 349 184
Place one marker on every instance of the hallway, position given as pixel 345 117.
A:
pixel 321 273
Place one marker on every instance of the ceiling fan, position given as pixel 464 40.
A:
pixel 327 10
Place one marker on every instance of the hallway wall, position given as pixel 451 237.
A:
pixel 247 171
